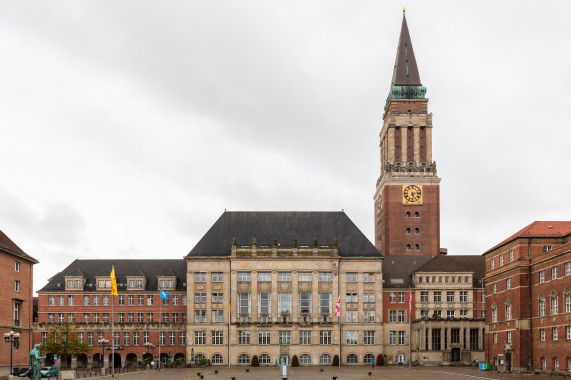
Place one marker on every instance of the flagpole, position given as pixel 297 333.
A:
pixel 160 318
pixel 112 337
pixel 409 327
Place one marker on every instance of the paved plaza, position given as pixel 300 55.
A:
pixel 314 373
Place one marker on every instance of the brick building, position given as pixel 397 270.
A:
pixel 81 294
pixel 528 304
pixel 16 282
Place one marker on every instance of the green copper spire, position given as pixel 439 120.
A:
pixel 406 80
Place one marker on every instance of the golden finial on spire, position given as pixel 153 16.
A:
pixel 403 9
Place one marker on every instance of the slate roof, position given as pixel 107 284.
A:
pixel 8 246
pixel 93 268
pixel 405 56
pixel 539 229
pixel 284 226
pixel 397 269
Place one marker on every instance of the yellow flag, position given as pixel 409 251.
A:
pixel 113 282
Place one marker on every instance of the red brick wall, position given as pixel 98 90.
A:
pixel 7 277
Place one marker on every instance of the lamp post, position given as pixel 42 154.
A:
pixel 150 346
pixel 103 343
pixel 14 340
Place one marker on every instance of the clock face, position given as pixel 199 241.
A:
pixel 412 194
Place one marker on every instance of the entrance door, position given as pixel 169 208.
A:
pixel 400 359
pixel 508 361
pixel 456 354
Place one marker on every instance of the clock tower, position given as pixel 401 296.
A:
pixel 407 197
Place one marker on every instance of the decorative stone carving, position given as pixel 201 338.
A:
pixel 265 287
pixel 324 286
pixel 305 287
pixel 284 286
pixel 352 287
pixel 243 287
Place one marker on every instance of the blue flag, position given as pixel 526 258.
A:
pixel 164 295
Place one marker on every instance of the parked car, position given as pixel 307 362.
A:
pixel 48 371
pixel 26 373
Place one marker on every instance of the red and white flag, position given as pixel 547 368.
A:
pixel 338 308
pixel 410 303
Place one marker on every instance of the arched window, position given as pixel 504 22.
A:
pixel 408 231
pixel 417 247
pixel 408 214
pixel 264 359
pixel 416 214
pixel 197 358
pixel 325 359
pixel 408 247
pixel 305 359
pixel 352 359
pixel 243 359
pixel 217 359
pixel 416 231
pixel 556 364
pixel 368 358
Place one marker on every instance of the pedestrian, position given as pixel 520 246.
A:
pixel 373 363
pixel 276 365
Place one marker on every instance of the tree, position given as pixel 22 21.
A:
pixel 294 361
pixel 255 361
pixel 63 340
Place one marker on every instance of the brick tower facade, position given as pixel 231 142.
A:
pixel 407 197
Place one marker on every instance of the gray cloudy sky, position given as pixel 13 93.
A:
pixel 127 127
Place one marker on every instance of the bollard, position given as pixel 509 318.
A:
pixel 233 378
pixel 370 373
pixel 334 377
pixel 247 369
pixel 202 376
pixel 216 372
pixel 198 374
pixel 284 378
pixel 320 369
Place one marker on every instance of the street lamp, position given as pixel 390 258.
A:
pixel 14 340
pixel 149 346
pixel 103 343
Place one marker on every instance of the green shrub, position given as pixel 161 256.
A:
pixel 203 361
pixel 335 361
pixel 255 362
pixel 294 361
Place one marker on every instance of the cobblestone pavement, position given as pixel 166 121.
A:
pixel 314 373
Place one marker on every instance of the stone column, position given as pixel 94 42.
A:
pixel 295 296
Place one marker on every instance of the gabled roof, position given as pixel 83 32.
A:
pixel 284 226
pixel 167 273
pixel 136 273
pixel 457 263
pixel 8 246
pixel 123 268
pixel 405 72
pixel 75 273
pixel 539 229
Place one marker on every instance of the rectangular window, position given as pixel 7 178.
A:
pixel 449 296
pixel 542 335
pixel 284 276
pixel 324 276
pixel 17 286
pixel 508 312
pixel 181 338
pixel 368 297
pixel 175 300
pixel 184 299
pixel 392 337
pixel 568 303
pixel 501 260
pixel 495 338
pixel 555 333
pixel 121 300
pixel 140 300
pixel 131 300
pixel 423 296
pixel 85 317
pixel 554 305
pixel 351 316
pixel 438 297
pixel 304 302
pixel 351 277
pixel 89 338
pixel 352 337
pixel 368 316
pixel 492 263
pixel 568 268
pixel 511 253
pixel 368 337
pixel 568 333
pixel 368 277
pixel 463 313
pixel 140 317
pixel 200 338
pixel 305 337
pixel 547 248
pixel 244 303
pixel 265 303
pixel 324 337
pixel 324 303
pixel 116 339
pixel 61 300
pixel 463 296
pixel 217 297
pixel 436 341
pixel 166 317
pixel 401 316
pixel 217 316
pixel 150 300
pixel 199 297
pixel 392 316
pixel 450 314
pixel 16 266
pixel 264 276
pixel 121 317
pixel 494 315
pixel 264 337
pixel 145 337
pixel 200 316
pixel 393 297
pixel 135 338
pixel 217 338
pixel 200 277
pixel 351 297
pixel 105 300
pixel 172 338
pixel 401 337
pixel 244 276
pixel 284 302
pixel 217 277
pixel 541 276
pixel 51 300
pixel 401 297
pixel 553 273
pixel 131 317
pixel 105 317
pixel 424 313
pixel 95 317
pixel 150 317
pixel 494 288
pixel 508 283
pixel 175 317
pixel 243 337
pixel 304 277
pixel 126 338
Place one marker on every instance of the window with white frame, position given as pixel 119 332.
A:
pixel 501 260
pixel 463 296
pixel 218 338
pixel 370 277
pixel 541 307
pixel 304 277
pixel 568 271
pixel 568 334
pixel 401 337
pixel 555 333
pixel 284 337
pixel 136 338
pixel 437 296
pixel 542 335
pixel 264 276
pixel 264 337
pixel 324 276
pixel 423 296
pixel 495 338
pixel 51 300
pixel 244 306
pixel 449 296
pixel 401 297
pixel 494 315
pixel 217 316
pixel 568 303
pixel 508 283
pixel 200 316
pixel 305 337
pixel 509 336
pixel 61 300
pixel 304 300
pixel 200 337
pixel 351 316
pixel 163 338
pixel 393 297
pixel 392 337
pixel 508 312
pixel 199 276
pixel 284 302
pixel 243 337
pixel 16 266
pixel 352 337
pixel 351 276
pixel 324 303
pixel 401 316
pixel 217 277
pixel 368 337
pixel 492 263
pixel 325 337
pixel 511 253
pixel 450 314
pixel 368 297
pixel 284 276
pixel 554 305
pixel 547 248
pixel 494 288
pixel 553 273
pixel 368 315
pixel 541 276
